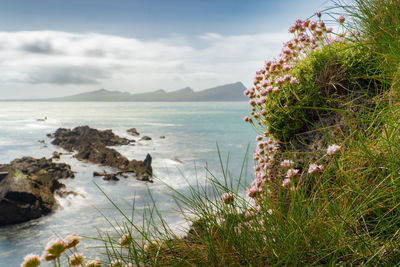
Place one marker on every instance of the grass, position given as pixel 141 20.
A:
pixel 347 213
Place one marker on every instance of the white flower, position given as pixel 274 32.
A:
pixel 332 149
pixel 292 173
pixel 287 163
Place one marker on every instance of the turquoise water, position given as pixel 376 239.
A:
pixel 192 131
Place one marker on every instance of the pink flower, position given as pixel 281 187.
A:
pixel 318 14
pixel 314 168
pixel 332 149
pixel 293 80
pixel 276 89
pixel 31 260
pixel 247 118
pixel 286 182
pixel 269 211
pixel 287 163
pixel 292 173
pixel 341 19
pixel 54 249
pixel 252 192
pixel 116 263
pixel 93 263
pixel 71 241
pixel 227 198
pixel 76 259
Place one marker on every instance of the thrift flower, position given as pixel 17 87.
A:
pixel 313 168
pixel 76 259
pixel 293 80
pixel 71 241
pixel 93 263
pixel 116 263
pixel 286 182
pixel 227 198
pixel 54 249
pixel 292 173
pixel 149 246
pixel 31 260
pixel 125 240
pixel 341 19
pixel 287 163
pixel 332 149
pixel 269 211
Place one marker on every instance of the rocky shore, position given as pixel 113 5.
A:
pixel 27 187
pixel 91 145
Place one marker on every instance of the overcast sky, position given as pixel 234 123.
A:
pixel 56 47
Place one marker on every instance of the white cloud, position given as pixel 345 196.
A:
pixel 40 60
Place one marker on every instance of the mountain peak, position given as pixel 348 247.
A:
pixel 185 90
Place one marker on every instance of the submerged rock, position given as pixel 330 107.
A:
pixel 27 187
pixel 145 138
pixel 91 145
pixel 133 132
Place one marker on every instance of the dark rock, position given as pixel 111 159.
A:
pixel 145 138
pixel 66 193
pixel 56 155
pixel 27 188
pixel 91 145
pixel 84 136
pixel 42 141
pixel 146 171
pixel 133 132
pixel 162 137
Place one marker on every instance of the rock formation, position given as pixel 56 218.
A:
pixel 27 187
pixel 91 145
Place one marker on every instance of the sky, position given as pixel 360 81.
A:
pixel 52 48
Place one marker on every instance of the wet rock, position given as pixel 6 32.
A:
pixel 27 187
pixel 133 132
pixel 109 176
pixel 146 171
pixel 66 193
pixel 145 138
pixel 91 145
pixel 162 137
pixel 56 155
pixel 83 136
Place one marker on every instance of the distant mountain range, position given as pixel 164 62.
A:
pixel 228 92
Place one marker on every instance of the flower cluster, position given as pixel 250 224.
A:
pixel 278 77
pixel 55 249
pixel 31 260
pixel 125 240
pixel 333 149
pixel 313 168
pixel 227 198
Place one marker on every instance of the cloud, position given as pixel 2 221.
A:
pixel 119 63
pixel 61 75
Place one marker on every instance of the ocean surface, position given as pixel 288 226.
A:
pixel 192 132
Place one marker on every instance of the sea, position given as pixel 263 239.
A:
pixel 198 137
